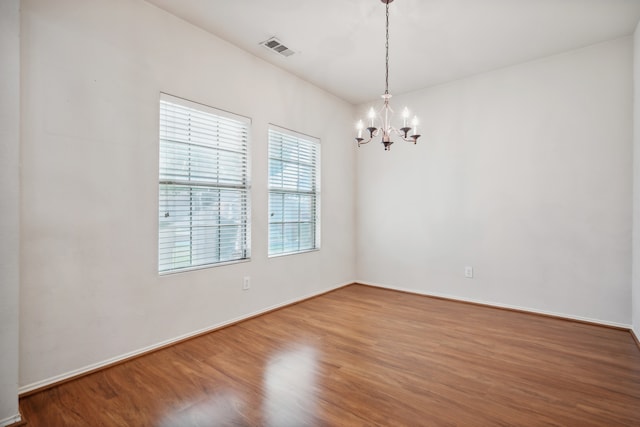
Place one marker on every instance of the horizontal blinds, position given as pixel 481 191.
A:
pixel 203 186
pixel 293 192
pixel 292 162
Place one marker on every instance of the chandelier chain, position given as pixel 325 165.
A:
pixel 386 59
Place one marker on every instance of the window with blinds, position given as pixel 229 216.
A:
pixel 294 192
pixel 203 186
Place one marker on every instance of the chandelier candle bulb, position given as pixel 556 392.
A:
pixel 372 116
pixel 405 116
pixel 359 126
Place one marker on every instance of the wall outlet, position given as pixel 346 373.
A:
pixel 246 283
pixel 468 272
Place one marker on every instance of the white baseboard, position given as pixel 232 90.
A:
pixel 11 420
pixel 105 363
pixel 498 305
pixel 95 366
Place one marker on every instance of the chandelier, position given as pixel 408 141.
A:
pixel 407 133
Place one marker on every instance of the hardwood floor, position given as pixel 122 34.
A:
pixel 362 356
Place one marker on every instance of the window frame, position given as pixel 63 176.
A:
pixel 315 193
pixel 232 189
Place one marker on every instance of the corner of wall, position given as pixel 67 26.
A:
pixel 10 220
pixel 635 275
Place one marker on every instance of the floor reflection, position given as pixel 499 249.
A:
pixel 222 409
pixel 290 388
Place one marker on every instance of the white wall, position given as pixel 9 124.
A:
pixel 10 203
pixel 636 183
pixel 523 173
pixel 92 74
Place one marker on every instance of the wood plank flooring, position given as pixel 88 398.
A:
pixel 363 356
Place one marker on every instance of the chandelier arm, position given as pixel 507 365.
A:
pixel 412 139
pixel 404 134
pixel 361 141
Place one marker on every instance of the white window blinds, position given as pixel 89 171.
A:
pixel 294 192
pixel 203 186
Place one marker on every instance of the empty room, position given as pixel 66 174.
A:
pixel 320 213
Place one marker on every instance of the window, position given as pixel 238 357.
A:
pixel 204 186
pixel 294 192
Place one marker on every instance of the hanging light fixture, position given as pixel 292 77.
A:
pixel 407 133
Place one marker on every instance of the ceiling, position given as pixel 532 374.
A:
pixel 339 44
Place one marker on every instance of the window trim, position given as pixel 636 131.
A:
pixel 317 193
pixel 246 177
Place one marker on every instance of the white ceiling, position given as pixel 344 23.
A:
pixel 339 44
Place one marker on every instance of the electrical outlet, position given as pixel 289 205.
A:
pixel 246 283
pixel 468 272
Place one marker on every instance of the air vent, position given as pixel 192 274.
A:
pixel 275 45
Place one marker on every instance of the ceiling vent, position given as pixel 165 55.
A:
pixel 275 45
